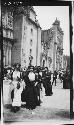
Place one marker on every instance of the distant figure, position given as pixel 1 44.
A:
pixel 54 77
pixel 47 82
pixel 38 82
pixel 61 76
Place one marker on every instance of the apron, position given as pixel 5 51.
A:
pixel 17 92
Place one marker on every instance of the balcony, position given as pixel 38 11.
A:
pixel 50 59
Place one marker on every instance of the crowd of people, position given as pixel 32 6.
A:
pixel 28 84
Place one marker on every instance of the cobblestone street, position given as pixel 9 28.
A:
pixel 53 107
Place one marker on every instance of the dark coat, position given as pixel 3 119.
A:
pixel 55 75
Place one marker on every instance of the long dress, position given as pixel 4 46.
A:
pixel 31 93
pixel 17 97
pixel 17 92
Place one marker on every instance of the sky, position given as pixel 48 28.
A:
pixel 46 16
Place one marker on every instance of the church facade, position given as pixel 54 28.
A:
pixel 52 47
pixel 26 43
pixel 7 26
pixel 27 32
pixel 21 36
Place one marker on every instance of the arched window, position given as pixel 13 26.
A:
pixel 31 42
pixel 30 51
pixel 31 31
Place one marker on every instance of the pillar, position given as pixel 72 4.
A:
pixel 54 56
pixel 7 55
pixel 4 54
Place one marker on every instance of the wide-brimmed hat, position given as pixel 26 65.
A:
pixel 31 68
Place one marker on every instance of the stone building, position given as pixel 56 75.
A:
pixel 7 24
pixel 27 31
pixel 52 47
pixel 47 48
pixel 64 62
pixel 21 36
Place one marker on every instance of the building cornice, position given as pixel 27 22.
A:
pixel 9 39
pixel 32 9
pixel 37 25
pixel 26 12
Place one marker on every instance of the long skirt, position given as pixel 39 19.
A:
pixel 49 90
pixel 17 97
pixel 31 97
pixel 48 87
pixel 23 95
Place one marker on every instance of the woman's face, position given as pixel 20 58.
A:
pixel 17 66
pixel 17 69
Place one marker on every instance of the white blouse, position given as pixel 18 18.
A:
pixel 31 76
pixel 15 74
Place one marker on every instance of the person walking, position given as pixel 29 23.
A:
pixel 54 77
pixel 38 81
pixel 60 76
pixel 48 83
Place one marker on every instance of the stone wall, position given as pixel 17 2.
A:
pixel 6 92
pixel 25 31
pixel 17 34
pixel 29 36
pixel 39 46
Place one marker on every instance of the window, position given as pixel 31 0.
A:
pixel 31 31
pixel 10 34
pixel 31 42
pixel 30 51
pixel 24 28
pixel 6 33
pixel 10 21
pixel 3 20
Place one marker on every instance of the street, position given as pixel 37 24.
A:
pixel 54 107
